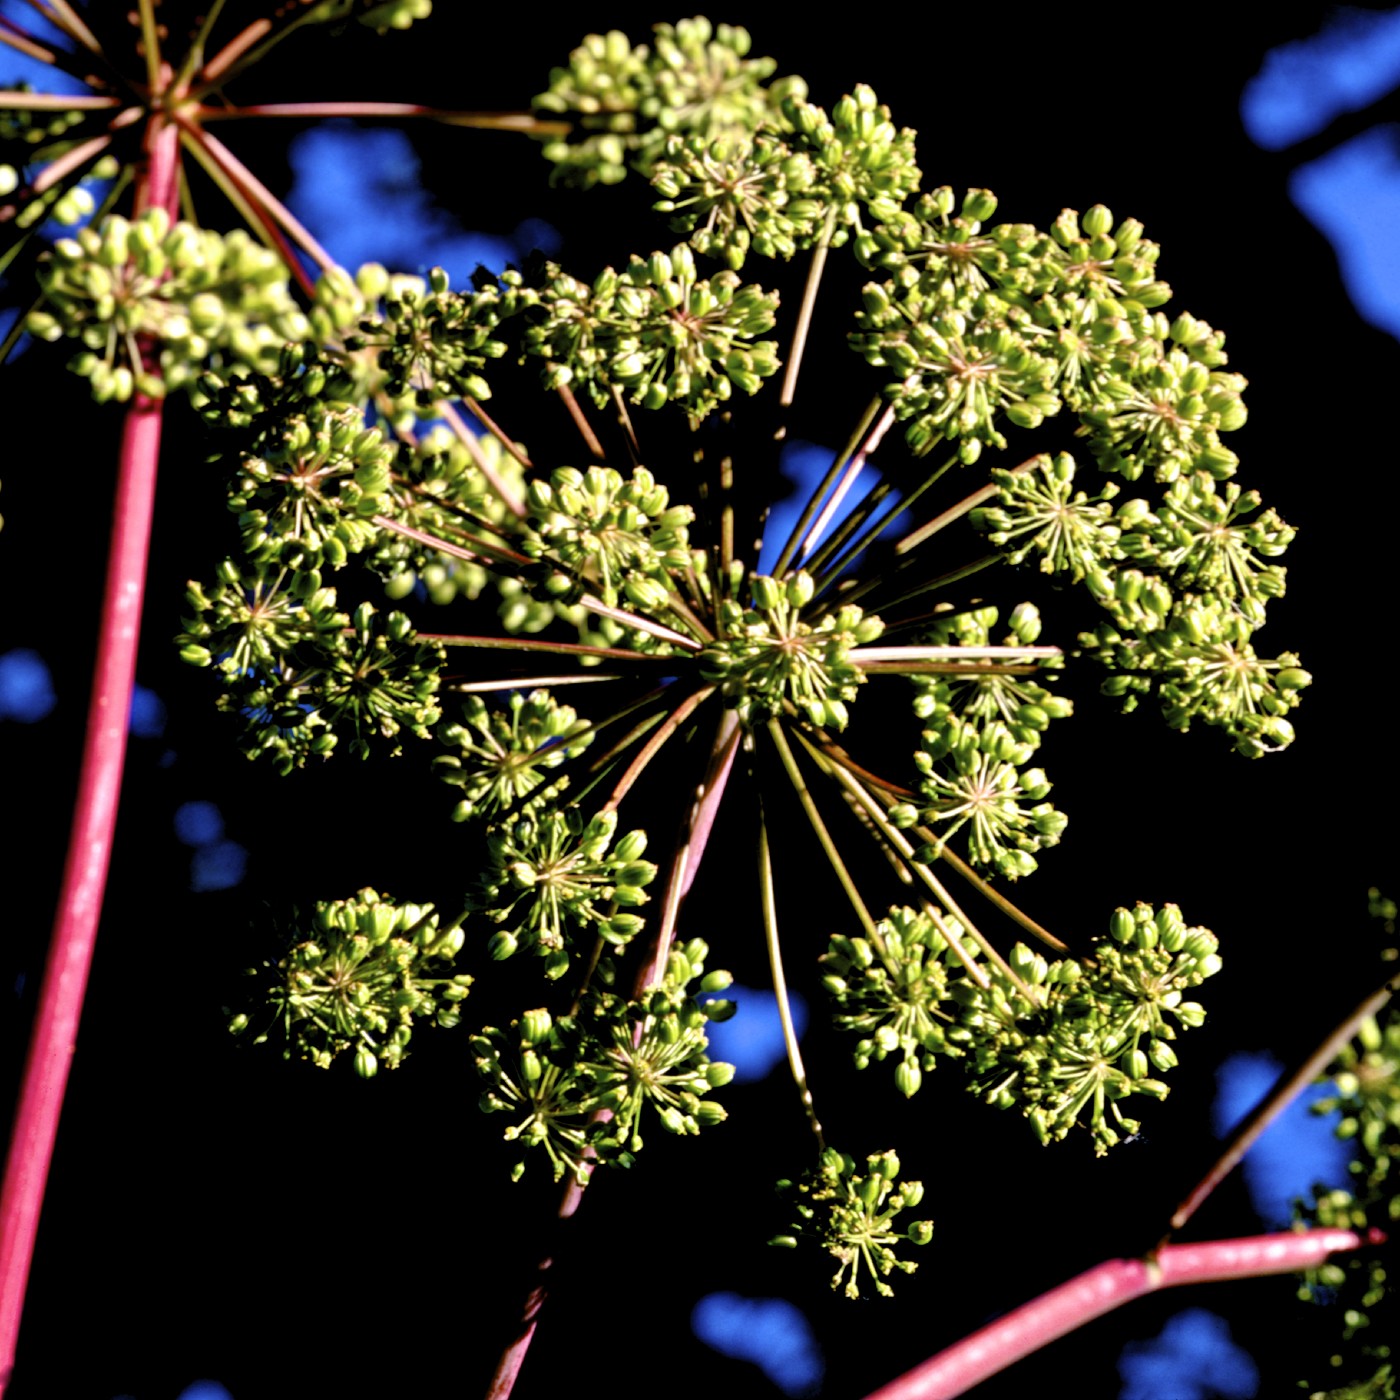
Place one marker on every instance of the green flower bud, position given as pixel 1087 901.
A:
pixel 767 592
pixel 800 589
pixel 630 848
pixel 907 1078
pixel 920 1232
pixel 502 946
pixel 535 1026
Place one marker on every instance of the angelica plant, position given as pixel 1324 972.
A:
pixel 643 588
pixel 586 648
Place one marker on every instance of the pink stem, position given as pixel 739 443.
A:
pixel 1101 1289
pixel 94 819
pixel 694 835
pixel 848 479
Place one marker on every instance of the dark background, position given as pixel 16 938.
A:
pixel 216 1212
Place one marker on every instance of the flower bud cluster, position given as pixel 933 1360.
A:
pixel 305 494
pixel 1040 515
pixel 581 1086
pixel 551 876
pixel 197 296
pixel 852 1217
pixel 31 138
pixel 1026 707
pixel 1184 581
pixel 300 675
pixel 757 196
pixel 767 655
pixel 368 968
pixel 628 101
pixel 1012 323
pixel 894 991
pixel 1077 1037
pixel 432 343
pixel 957 259
pixel 863 160
pixel 609 532
pixel 502 754
pixel 658 331
pixel 1364 1097
pixel 973 774
pixel 438 489
pixel 383 15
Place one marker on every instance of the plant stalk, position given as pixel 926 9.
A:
pixel 1106 1286
pixel 1290 1084
pixel 55 1032
pixel 690 844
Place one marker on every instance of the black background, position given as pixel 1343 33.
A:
pixel 217 1212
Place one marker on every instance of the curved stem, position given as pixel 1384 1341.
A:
pixel 585 428
pixel 13 99
pixel 983 493
pixel 1290 1084
pixel 483 550
pixel 448 639
pixel 653 746
pixel 804 312
pixel 833 856
pixel 62 14
pixel 832 563
pixel 690 848
pixel 1099 1290
pixel 94 821
pixel 495 429
pixel 691 841
pixel 775 963
pixel 258 193
pixel 468 439
pixel 150 44
pixel 848 479
pixel 251 212
pixel 992 894
pixel 14 37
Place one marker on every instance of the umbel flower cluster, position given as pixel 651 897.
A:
pixel 1364 1095
pixel 1035 368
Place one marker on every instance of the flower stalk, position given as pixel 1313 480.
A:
pixel 64 985
pixel 1103 1288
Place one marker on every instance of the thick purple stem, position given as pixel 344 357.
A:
pixel 1101 1289
pixel 94 820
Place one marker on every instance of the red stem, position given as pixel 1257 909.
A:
pixel 94 819
pixel 1101 1289
pixel 691 842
